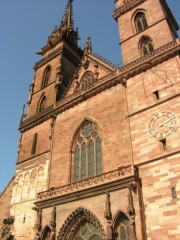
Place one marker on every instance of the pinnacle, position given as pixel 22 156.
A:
pixel 67 21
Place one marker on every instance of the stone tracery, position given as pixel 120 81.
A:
pixel 75 220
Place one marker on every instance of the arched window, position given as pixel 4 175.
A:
pixel 87 80
pixel 46 233
pixel 42 103
pixel 87 152
pixel 46 77
pixel 34 144
pixel 121 227
pixel 140 21
pixel 88 231
pixel 146 46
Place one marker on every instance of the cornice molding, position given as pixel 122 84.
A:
pixel 117 77
pixel 32 157
pixel 48 58
pixel 127 6
pixel 55 53
pixel 114 180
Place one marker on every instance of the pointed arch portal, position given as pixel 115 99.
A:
pixel 81 224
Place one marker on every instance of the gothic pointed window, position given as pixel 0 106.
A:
pixel 87 231
pixel 87 152
pixel 146 46
pixel 34 144
pixel 42 103
pixel 46 77
pixel 121 228
pixel 140 21
pixel 46 233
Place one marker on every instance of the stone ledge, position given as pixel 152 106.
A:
pixel 121 173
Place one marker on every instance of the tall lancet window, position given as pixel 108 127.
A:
pixel 140 21
pixel 42 103
pixel 87 152
pixel 46 77
pixel 34 144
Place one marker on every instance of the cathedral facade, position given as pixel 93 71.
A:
pixel 99 152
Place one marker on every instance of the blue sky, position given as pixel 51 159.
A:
pixel 25 26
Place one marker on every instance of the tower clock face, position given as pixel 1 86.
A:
pixel 162 124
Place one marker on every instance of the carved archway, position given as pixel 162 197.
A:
pixel 75 220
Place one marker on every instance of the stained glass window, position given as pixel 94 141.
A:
pixel 98 156
pixel 76 163
pixel 91 159
pixel 87 152
pixel 83 161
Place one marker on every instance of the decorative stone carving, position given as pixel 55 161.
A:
pixel 88 80
pixel 87 51
pixel 85 62
pixel 108 216
pixel 94 181
pixel 5 231
pixel 76 82
pixel 75 220
pixel 38 225
pixel 131 212
pixel 52 124
pixel 59 77
pixel 88 47
pixel 96 73
pixel 53 224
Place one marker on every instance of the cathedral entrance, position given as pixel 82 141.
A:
pixel 87 231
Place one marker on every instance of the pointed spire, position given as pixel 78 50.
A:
pixel 67 22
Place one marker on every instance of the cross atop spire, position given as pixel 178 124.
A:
pixel 67 23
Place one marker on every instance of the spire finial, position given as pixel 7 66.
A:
pixel 67 22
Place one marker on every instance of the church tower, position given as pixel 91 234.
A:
pixel 144 26
pixel 150 51
pixel 61 56
pixel 99 151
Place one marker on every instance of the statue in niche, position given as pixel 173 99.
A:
pixel 96 72
pixel 76 83
pixel 59 77
pixel 131 227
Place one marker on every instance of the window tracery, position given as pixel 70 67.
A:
pixel 87 150
pixel 147 46
pixel 140 22
pixel 87 80
pixel 88 231
pixel 121 228
pixel 46 77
